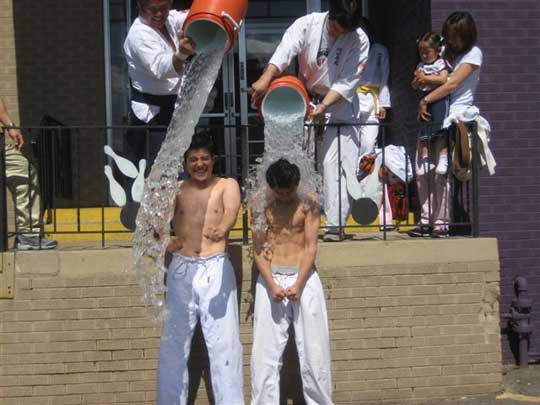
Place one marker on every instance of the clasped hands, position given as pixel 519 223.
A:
pixel 278 293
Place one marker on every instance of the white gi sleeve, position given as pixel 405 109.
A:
pixel 384 93
pixel 291 44
pixel 147 53
pixel 355 60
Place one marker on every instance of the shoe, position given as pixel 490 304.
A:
pixel 425 166
pixel 332 236
pixel 34 243
pixel 440 233
pixel 442 167
pixel 387 228
pixel 420 232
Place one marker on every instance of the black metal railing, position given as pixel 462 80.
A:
pixel 70 161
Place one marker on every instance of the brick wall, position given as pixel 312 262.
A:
pixel 509 97
pixel 408 321
pixel 8 76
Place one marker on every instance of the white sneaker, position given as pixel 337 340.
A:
pixel 425 167
pixel 442 166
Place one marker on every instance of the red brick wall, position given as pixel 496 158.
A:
pixel 509 97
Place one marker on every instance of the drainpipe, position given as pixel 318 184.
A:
pixel 519 319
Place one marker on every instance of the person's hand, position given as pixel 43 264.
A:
pixel 277 293
pixel 317 115
pixel 174 245
pixel 294 292
pixel 259 89
pixel 419 78
pixel 382 113
pixel 186 46
pixel 423 114
pixel 215 234
pixel 16 136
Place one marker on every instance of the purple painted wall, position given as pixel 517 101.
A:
pixel 509 98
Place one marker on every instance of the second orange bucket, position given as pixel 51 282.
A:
pixel 214 24
pixel 286 95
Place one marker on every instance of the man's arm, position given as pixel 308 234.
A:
pixel 263 263
pixel 6 121
pixel 231 205
pixel 307 262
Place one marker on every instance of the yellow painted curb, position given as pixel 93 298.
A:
pixel 518 397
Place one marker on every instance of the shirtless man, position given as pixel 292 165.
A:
pixel 289 290
pixel 201 282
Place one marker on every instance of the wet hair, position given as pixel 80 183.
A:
pixel 462 23
pixel 347 13
pixel 283 174
pixel 201 140
pixel 433 39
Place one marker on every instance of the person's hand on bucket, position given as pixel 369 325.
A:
pixel 260 86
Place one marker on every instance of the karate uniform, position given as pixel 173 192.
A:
pixel 201 288
pixel 373 94
pixel 340 71
pixel 154 82
pixel 271 323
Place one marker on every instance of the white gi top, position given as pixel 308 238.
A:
pixel 376 73
pixel 340 71
pixel 149 60
pixel 434 68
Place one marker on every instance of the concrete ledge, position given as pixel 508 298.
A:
pixel 410 321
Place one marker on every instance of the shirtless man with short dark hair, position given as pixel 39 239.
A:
pixel 289 290
pixel 201 283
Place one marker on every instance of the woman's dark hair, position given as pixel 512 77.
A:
pixel 283 174
pixel 201 140
pixel 433 39
pixel 461 23
pixel 346 12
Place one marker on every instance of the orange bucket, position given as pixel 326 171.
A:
pixel 214 24
pixel 286 94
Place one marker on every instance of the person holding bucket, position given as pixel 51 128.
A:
pixel 332 51
pixel 156 52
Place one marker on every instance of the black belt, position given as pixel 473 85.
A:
pixel 161 101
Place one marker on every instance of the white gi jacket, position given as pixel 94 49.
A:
pixel 149 60
pixel 376 73
pixel 340 72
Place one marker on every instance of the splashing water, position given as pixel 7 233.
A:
pixel 283 136
pixel 161 187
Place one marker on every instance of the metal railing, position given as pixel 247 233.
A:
pixel 66 155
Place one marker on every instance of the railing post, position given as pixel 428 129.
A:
pixel 245 173
pixel 3 201
pixel 475 182
pixel 341 224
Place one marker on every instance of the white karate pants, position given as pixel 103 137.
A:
pixel 271 323
pixel 205 289
pixel 332 173
pixel 367 115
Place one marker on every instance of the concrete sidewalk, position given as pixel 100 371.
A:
pixel 521 386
